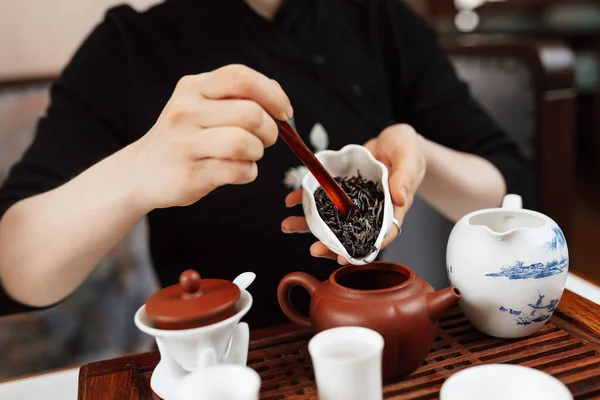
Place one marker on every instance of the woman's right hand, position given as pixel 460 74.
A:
pixel 211 132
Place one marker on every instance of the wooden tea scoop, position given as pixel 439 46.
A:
pixel 333 190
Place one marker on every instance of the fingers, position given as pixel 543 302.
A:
pixel 401 146
pixel 241 82
pixel 342 261
pixel 295 225
pixel 398 183
pixel 371 145
pixel 245 114
pixel 230 143
pixel 318 249
pixel 294 198
pixel 394 232
pixel 218 172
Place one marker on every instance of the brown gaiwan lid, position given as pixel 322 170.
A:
pixel 193 302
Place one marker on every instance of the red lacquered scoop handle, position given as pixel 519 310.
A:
pixel 340 199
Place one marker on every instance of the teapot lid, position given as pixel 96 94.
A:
pixel 192 299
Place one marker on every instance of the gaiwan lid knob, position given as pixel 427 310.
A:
pixel 193 302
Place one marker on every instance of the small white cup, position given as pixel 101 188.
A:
pixel 347 363
pixel 503 382
pixel 221 382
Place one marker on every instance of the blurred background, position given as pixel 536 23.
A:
pixel 533 64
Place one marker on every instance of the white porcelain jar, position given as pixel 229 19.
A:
pixel 511 265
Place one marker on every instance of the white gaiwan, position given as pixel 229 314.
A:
pixel 196 326
pixel 348 161
pixel 510 265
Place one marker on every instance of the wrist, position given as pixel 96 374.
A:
pixel 130 181
pixel 427 149
pixel 437 156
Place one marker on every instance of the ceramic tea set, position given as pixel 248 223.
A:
pixel 507 267
pixel 509 264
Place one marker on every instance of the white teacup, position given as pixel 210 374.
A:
pixel 221 382
pixel 347 363
pixel 347 161
pixel 503 382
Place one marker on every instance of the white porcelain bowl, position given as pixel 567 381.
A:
pixel 346 162
pixel 503 382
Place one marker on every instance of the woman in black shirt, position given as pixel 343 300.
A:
pixel 168 113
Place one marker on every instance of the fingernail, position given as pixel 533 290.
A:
pixel 404 193
pixel 289 113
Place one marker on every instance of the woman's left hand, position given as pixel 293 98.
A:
pixel 400 148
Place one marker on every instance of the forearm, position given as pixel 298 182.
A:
pixel 457 183
pixel 50 243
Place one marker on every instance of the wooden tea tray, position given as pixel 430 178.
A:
pixel 568 347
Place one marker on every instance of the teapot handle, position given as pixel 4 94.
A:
pixel 308 282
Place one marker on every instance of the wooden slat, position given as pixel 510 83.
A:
pixel 561 358
pixel 592 373
pixel 580 312
pixel 428 392
pixel 573 366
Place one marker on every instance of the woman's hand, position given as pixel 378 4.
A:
pixel 399 147
pixel 212 131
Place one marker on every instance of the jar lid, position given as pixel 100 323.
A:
pixel 192 302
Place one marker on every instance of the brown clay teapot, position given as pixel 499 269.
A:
pixel 386 297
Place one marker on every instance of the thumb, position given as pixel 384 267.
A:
pixel 398 188
pixel 371 145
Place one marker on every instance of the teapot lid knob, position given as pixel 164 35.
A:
pixel 190 281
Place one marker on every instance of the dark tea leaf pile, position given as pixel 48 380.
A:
pixel 358 230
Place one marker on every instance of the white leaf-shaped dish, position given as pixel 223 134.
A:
pixel 347 162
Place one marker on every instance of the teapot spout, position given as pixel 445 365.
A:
pixel 441 301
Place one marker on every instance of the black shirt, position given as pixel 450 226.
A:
pixel 353 66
